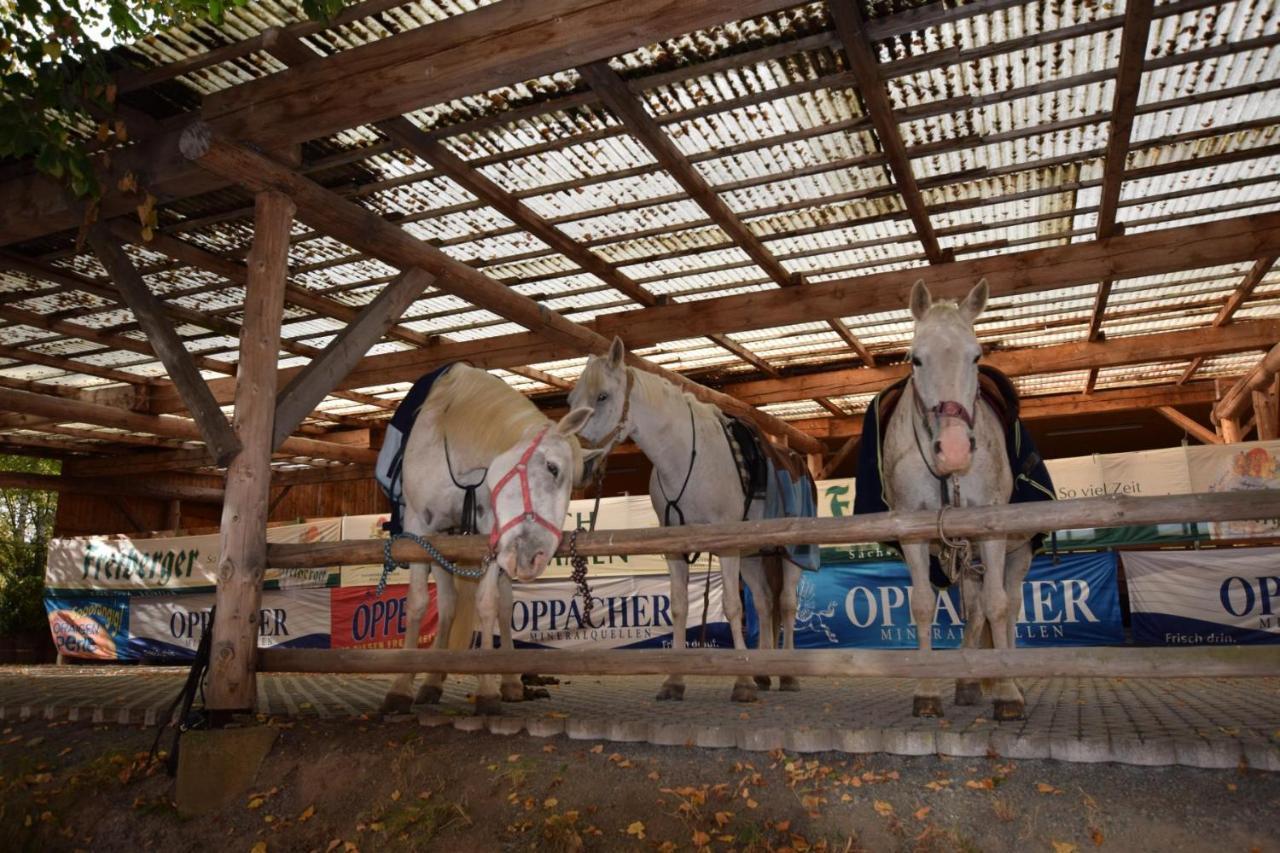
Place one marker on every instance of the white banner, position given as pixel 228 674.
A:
pixel 1221 596
pixel 627 612
pixel 1242 467
pixel 170 626
pixel 183 562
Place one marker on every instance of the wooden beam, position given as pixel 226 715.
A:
pixel 857 47
pixel 1075 355
pixel 214 429
pixel 309 387
pixel 920 525
pixel 141 488
pixel 365 230
pixel 1237 298
pixel 75 411
pixel 846 450
pixel 615 94
pixel 1238 397
pixel 1133 52
pixel 1149 253
pixel 243 555
pixel 1189 425
pixel 28 356
pixel 1264 414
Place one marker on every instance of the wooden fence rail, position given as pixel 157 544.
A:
pixel 1218 662
pixel 1014 519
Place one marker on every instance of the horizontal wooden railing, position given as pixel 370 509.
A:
pixel 1222 662
pixel 1013 519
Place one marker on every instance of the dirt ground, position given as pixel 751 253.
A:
pixel 365 785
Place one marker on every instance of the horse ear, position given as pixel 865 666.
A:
pixel 574 421
pixel 617 352
pixel 920 299
pixel 975 301
pixel 590 456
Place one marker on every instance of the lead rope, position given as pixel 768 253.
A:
pixel 389 562
pixel 579 562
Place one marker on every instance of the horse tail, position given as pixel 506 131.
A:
pixel 464 618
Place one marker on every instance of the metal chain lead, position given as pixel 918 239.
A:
pixel 579 577
pixel 389 562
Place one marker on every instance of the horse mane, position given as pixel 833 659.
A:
pixel 484 416
pixel 654 390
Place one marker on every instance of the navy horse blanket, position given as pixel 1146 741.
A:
pixel 389 470
pixel 1031 480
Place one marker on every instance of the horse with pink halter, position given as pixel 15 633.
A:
pixel 476 434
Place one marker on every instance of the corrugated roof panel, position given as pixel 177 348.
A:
pixel 1140 374
pixel 619 225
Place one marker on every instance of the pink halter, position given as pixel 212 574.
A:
pixel 520 470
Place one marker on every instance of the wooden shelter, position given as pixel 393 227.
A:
pixel 304 217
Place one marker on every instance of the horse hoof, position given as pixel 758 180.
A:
pixel 788 684
pixel 671 693
pixel 1010 709
pixel 513 691
pixel 538 680
pixel 926 706
pixel 429 694
pixel 763 682
pixel 744 693
pixel 531 693
pixel 488 706
pixel 397 703
pixel 968 692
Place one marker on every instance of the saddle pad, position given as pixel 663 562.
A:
pixel 389 469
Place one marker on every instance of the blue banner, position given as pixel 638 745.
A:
pixel 1073 602
pixel 89 627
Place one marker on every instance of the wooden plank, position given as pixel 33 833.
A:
pixel 731 537
pixel 1133 51
pixel 1230 662
pixel 142 488
pixel 1264 414
pixel 77 411
pixel 309 387
pixel 1237 298
pixel 857 46
pixel 1075 355
pixel 28 356
pixel 1190 425
pixel 243 556
pixel 1149 253
pixel 178 363
pixel 1258 378
pixel 365 230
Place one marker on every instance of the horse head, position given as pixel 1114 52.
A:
pixel 944 374
pixel 529 486
pixel 604 389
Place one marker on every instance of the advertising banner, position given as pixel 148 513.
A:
pixel 88 627
pixel 358 619
pixel 118 563
pixel 627 613
pixel 868 605
pixel 169 627
pixel 1222 596
pixel 1250 466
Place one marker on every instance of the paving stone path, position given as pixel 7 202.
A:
pixel 1193 722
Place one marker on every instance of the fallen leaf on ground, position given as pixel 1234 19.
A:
pixel 1046 788
pixel 256 802
pixel 307 815
pixel 513 757
pixel 701 839
pixel 598 748
pixel 636 829
pixel 1063 847
pixel 882 808
pixel 550 802
pixel 980 784
pixel 260 847
pixel 921 812
pixel 1096 835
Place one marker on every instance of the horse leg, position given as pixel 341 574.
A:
pixel 977 635
pixel 1017 563
pixel 744 688
pixel 399 697
pixel 927 701
pixel 787 615
pixel 673 687
pixel 488 699
pixel 447 607
pixel 753 575
pixel 996 605
pixel 513 688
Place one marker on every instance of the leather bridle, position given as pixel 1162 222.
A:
pixel 615 434
pixel 519 471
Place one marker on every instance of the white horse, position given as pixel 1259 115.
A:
pixel 941 440
pixel 476 430
pixel 689 488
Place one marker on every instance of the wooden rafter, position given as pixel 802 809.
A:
pixel 857 47
pixel 1242 292
pixel 1189 424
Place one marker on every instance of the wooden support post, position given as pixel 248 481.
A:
pixel 1264 412
pixel 1230 429
pixel 845 451
pixel 232 685
pixel 173 516
pixel 815 464
pixel 317 379
pixel 179 364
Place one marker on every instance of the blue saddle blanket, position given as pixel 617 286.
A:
pixel 1031 480
pixel 389 470
pixel 788 497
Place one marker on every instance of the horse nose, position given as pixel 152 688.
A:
pixel 937 447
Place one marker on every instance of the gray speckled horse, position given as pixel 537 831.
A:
pixel 943 438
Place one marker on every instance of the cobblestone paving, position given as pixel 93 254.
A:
pixel 1194 722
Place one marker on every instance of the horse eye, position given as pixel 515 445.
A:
pixel 915 359
pixel 602 396
pixel 554 469
pixel 976 357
